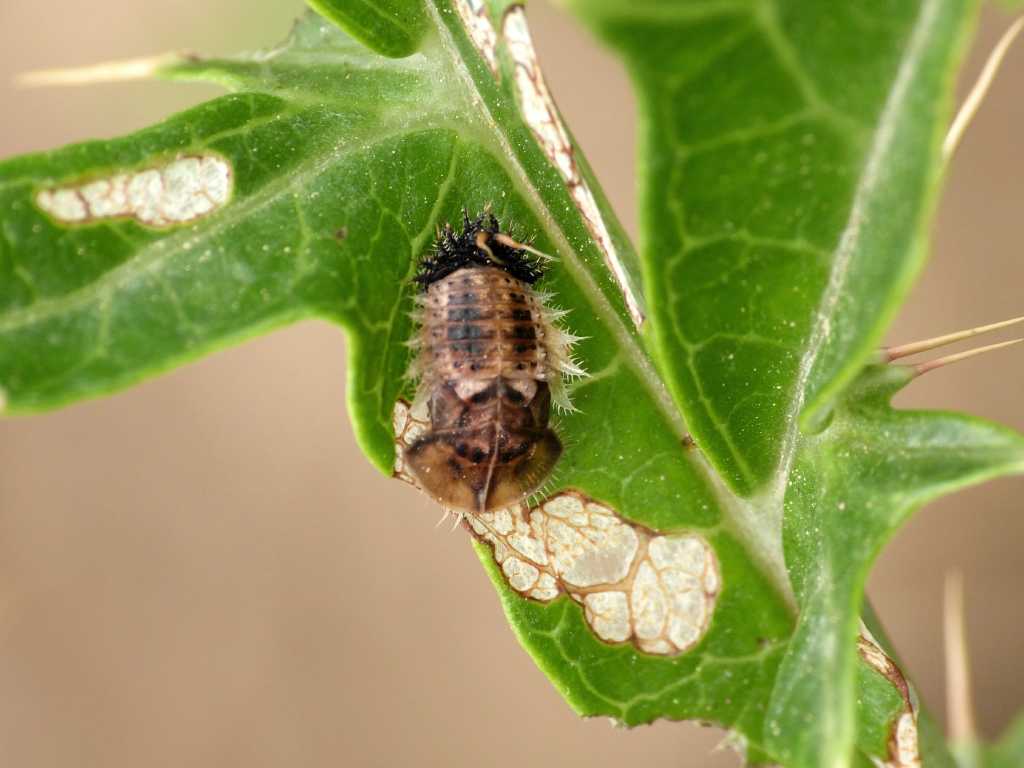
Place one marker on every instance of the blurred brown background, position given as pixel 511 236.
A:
pixel 202 571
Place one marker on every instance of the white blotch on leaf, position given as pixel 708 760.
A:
pixel 656 591
pixel 180 191
pixel 521 575
pixel 475 18
pixel 903 741
pixel 608 614
pixel 907 752
pixel 539 111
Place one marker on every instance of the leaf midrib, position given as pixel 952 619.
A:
pixel 838 728
pixel 771 501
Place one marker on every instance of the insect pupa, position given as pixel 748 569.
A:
pixel 491 362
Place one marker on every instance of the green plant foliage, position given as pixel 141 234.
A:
pixel 789 168
pixel 852 485
pixel 390 27
pixel 790 157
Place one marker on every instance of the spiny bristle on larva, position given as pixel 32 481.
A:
pixel 561 339
pixel 571 368
pixel 554 314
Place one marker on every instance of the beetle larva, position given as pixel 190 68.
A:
pixel 491 361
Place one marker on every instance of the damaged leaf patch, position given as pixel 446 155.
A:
pixel 541 114
pixel 180 191
pixel 635 585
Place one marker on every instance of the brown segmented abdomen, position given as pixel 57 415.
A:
pixel 484 365
pixel 479 323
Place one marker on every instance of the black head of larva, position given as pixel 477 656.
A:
pixel 476 245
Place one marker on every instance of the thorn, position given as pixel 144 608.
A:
pixel 443 517
pixel 906 350
pixel 959 705
pixel 104 72
pixel 931 365
pixel 980 88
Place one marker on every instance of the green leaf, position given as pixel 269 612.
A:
pixel 789 162
pixel 852 486
pixel 342 162
pixel 390 27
